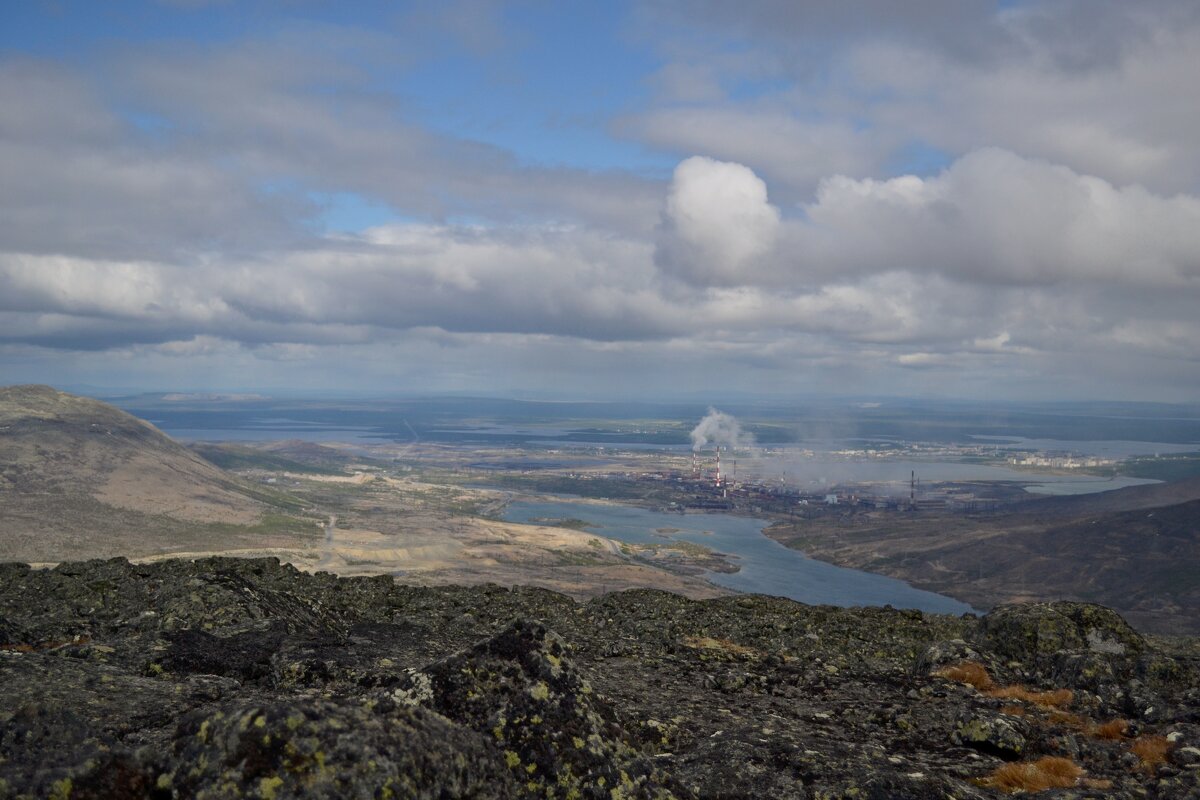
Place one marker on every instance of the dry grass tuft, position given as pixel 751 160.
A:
pixel 975 674
pixel 724 645
pixel 1114 729
pixel 1053 699
pixel 1050 772
pixel 971 673
pixel 1069 720
pixel 1152 750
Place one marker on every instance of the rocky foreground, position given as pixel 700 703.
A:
pixel 232 678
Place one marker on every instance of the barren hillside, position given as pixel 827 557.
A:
pixel 78 476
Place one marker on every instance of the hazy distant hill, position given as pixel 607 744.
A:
pixel 1129 498
pixel 79 477
pixel 1144 562
pixel 1135 549
pixel 292 455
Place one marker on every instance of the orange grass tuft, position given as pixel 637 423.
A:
pixel 1152 750
pixel 975 674
pixel 1054 699
pixel 1050 772
pixel 1069 720
pixel 1114 729
pixel 971 673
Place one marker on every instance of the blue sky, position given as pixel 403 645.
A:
pixel 943 197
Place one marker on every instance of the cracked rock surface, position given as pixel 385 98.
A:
pixel 224 678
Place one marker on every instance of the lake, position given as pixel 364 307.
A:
pixel 767 567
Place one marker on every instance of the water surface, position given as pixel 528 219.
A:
pixel 767 567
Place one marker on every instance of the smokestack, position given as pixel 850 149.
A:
pixel 912 487
pixel 718 466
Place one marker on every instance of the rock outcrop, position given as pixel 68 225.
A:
pixel 246 678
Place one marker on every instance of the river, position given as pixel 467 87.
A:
pixel 767 567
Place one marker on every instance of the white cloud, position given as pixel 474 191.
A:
pixel 794 153
pixel 1102 87
pixel 717 223
pixel 155 206
pixel 996 217
pixel 999 264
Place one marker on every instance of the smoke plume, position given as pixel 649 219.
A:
pixel 721 429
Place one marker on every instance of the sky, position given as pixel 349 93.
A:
pixel 777 198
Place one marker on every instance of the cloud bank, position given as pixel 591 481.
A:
pixel 953 199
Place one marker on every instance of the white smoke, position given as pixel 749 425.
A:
pixel 720 429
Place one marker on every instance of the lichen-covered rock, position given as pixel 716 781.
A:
pixel 1187 757
pixel 520 688
pixel 1033 632
pixel 245 656
pixel 1184 785
pixel 996 735
pixel 955 651
pixel 727 767
pixel 368 655
pixel 9 633
pixel 323 749
pixel 43 747
pixel 892 785
pixel 149 681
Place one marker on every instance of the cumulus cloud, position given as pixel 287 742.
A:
pixel 996 217
pixel 717 222
pixel 550 280
pixel 162 206
pixel 225 146
pixel 999 260
pixel 794 153
pixel 1101 87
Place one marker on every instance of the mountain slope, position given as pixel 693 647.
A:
pixel 78 476
pixel 1129 498
pixel 1136 550
pixel 1144 562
